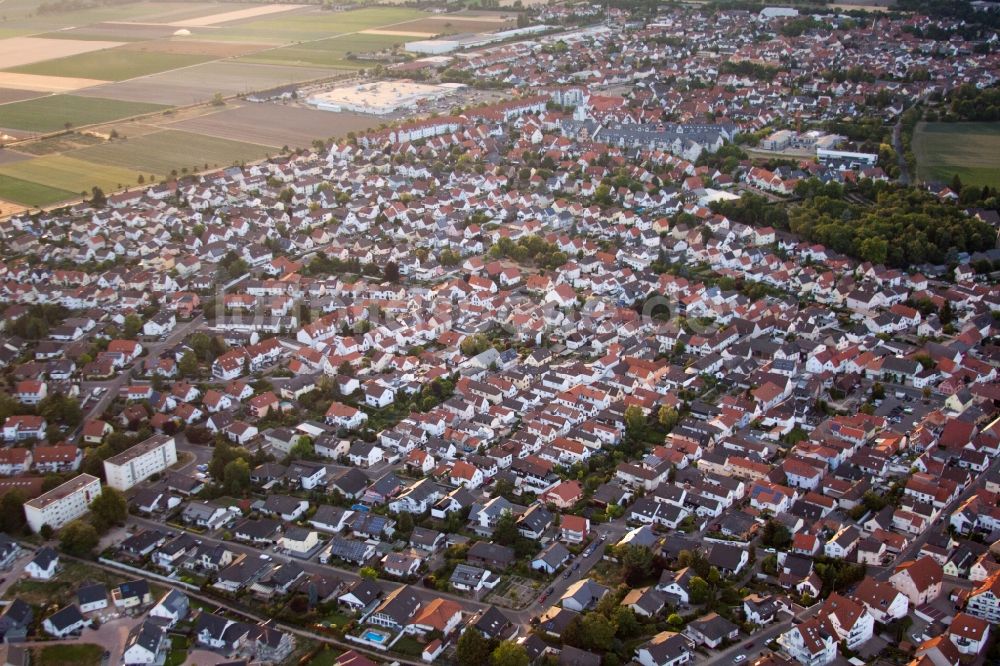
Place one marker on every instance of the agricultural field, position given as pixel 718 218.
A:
pixel 161 153
pixel 971 150
pixel 19 51
pixel 111 64
pixel 276 125
pixel 51 113
pixel 70 174
pixel 201 82
pixel 29 194
pixel 8 95
pixel 100 66
pixel 332 52
pixel 313 25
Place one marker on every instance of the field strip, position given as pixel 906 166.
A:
pixel 11 207
pixel 42 83
pixel 398 33
pixel 477 19
pixel 17 51
pixel 236 15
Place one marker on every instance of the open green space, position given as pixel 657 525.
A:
pixel 115 64
pixel 971 150
pixel 308 26
pixel 332 52
pixel 52 113
pixel 78 654
pixel 31 194
pixel 69 173
pixel 161 153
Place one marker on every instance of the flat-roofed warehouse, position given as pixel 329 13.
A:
pixel 380 98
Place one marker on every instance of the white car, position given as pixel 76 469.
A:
pixel 739 659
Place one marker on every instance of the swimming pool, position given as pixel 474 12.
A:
pixel 373 636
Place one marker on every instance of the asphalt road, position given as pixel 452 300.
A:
pixel 112 387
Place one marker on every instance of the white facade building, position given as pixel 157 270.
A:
pixel 140 462
pixel 63 503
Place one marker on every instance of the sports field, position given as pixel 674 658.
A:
pixel 161 153
pixel 53 112
pixel 971 150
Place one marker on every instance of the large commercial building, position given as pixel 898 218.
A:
pixel 380 98
pixel 62 504
pixel 140 462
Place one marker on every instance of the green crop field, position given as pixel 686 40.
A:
pixel 330 52
pixel 111 64
pixel 971 150
pixel 69 173
pixel 48 114
pixel 31 194
pixel 160 153
pixel 286 29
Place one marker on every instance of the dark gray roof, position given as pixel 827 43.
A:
pixel 88 594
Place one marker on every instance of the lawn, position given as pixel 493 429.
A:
pixel 52 113
pixel 69 173
pixel 63 588
pixel 330 52
pixel 78 654
pixel 971 150
pixel 160 153
pixel 115 64
pixel 308 26
pixel 324 657
pixel 32 194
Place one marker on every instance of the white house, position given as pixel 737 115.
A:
pixel 665 649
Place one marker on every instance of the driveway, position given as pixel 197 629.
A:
pixel 110 636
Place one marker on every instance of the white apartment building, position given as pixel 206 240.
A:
pixel 140 462
pixel 62 504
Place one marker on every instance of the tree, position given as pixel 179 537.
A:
pixel 391 271
pixel 404 524
pixel 188 365
pixel 637 561
pixel 303 449
pixel 97 198
pixel 110 507
pixel 236 477
pixel 133 325
pixel 505 531
pixel 775 535
pixel 668 417
pixel 12 520
pixel 699 590
pixel 368 573
pixel 635 419
pixel 79 538
pixel 675 621
pixel 57 408
pixel 473 648
pixel 598 632
pixel 509 653
pixel 627 624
